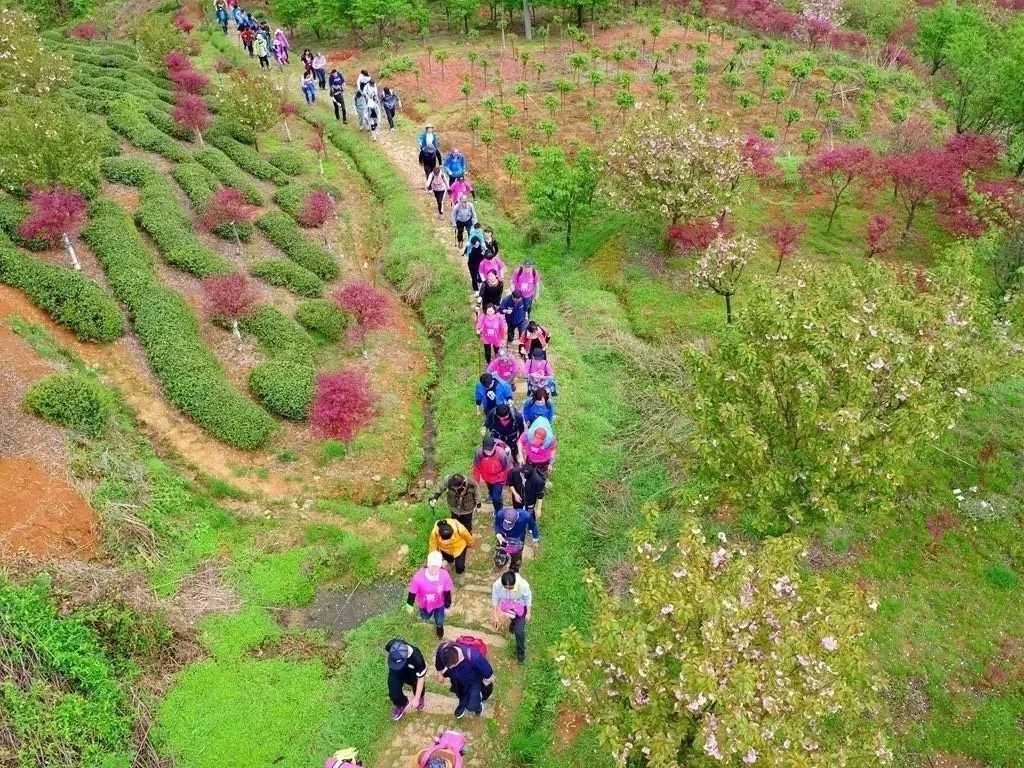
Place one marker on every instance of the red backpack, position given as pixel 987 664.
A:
pixel 475 643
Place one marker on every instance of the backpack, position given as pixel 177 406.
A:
pixel 474 643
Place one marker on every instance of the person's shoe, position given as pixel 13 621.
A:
pixel 520 658
pixel 459 711
pixel 397 712
pixel 422 704
pixel 439 630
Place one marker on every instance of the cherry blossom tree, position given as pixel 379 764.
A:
pixel 227 207
pixel 28 67
pixel 785 237
pixel 667 165
pixel 814 407
pixel 343 404
pixel 57 216
pixel 725 654
pixel 228 297
pixel 190 112
pixel 317 209
pixel 252 100
pixel 835 171
pixel 721 265
pixel 877 235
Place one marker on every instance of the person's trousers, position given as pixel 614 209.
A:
pixel 264 62
pixel 339 109
pixel 390 112
pixel 437 615
pixel 429 161
pixel 528 301
pixel 439 196
pixel 321 78
pixel 518 628
pixel 515 331
pixel 460 567
pixel 224 26
pixel 465 518
pixel 494 491
pixel 472 697
pixel 490 350
pixel 310 93
pixel 462 227
pixel 474 272
pixel 397 679
pixel 248 47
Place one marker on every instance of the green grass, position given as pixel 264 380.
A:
pixel 229 636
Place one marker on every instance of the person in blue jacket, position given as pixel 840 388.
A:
pixel 222 18
pixel 455 165
pixel 539 403
pixel 491 391
pixel 513 307
pixel 511 526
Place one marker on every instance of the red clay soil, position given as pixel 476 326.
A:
pixel 41 515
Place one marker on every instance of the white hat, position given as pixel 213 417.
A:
pixel 434 560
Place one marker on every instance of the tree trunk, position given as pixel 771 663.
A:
pixel 465 23
pixel 238 240
pixel 728 308
pixel 287 130
pixel 528 27
pixel 320 160
pixel 568 232
pixel 234 329
pixel 75 263
pixel 199 136
pixel 579 15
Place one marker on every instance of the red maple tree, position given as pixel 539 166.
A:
pixel 176 61
pixel 190 112
pixel 371 308
pixel 927 174
pixel 877 235
pixel 57 216
pixel 183 22
pixel 785 237
pixel 977 152
pixel 288 109
pixel 697 235
pixel 760 153
pixel 189 81
pixel 87 30
pixel 834 171
pixel 227 208
pixel 228 297
pixel 344 403
pixel 317 209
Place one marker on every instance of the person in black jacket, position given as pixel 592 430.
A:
pixel 336 84
pixel 505 423
pixel 406 666
pixel 527 484
pixel 491 290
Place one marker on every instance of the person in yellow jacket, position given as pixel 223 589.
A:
pixel 452 539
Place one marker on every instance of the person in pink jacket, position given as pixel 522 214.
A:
pixel 505 366
pixel 430 591
pixel 461 187
pixel 539 373
pixel 491 328
pixel 492 263
pixel 537 445
pixel 526 280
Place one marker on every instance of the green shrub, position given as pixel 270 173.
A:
pixel 285 387
pixel 199 184
pixel 292 197
pixel 12 213
pixel 191 375
pixel 288 274
pixel 229 174
pixel 289 160
pixel 247 158
pixel 72 400
pixel 283 232
pixel 279 336
pixel 1001 576
pixel 127 117
pixel 320 317
pixel 94 100
pixel 163 121
pixel 70 298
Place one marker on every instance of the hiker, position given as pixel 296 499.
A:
pixel 359 100
pixel 490 392
pixel 247 36
pixel 282 45
pixel 506 366
pixel 344 758
pixel 534 337
pixel 527 485
pixel 406 666
pixel 455 164
pixel 491 261
pixel 262 51
pixel 513 308
pixel 362 79
pixel 461 187
pixel 463 218
pixel 526 280
pixel 492 247
pixel 391 103
pixel 470 674
pixel 491 329
pixel 511 526
pixel 539 373
pixel 450 538
pixel 446 751
pixel 437 182
pixel 373 111
pixel 222 18
pixel 491 464
pixel 320 70
pixel 505 423
pixel 491 291
pixel 280 53
pixel 475 254
pixel 512 601
pixel 309 87
pixel 370 90
pixel 430 148
pixel 538 405
pixel 431 591
pixel 538 445
pixel 336 81
pixel 462 495
pixel 307 60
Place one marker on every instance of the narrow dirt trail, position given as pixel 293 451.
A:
pixel 471 609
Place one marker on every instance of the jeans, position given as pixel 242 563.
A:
pixel 494 491
pixel 309 91
pixel 528 302
pixel 471 697
pixel 390 112
pixel 466 519
pixel 437 615
pixel 515 330
pixel 517 627
pixel 474 272
pixel 439 196
pixel 396 681
pixel 321 77
pixel 339 108
pixel 460 567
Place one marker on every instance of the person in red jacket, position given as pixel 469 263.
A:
pixel 491 465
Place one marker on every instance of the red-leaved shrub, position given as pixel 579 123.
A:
pixel 223 66
pixel 343 404
pixel 760 153
pixel 176 61
pixel 225 206
pixel 317 208
pixel 927 174
pixel 371 308
pixel 785 237
pixel 87 30
pixel 878 235
pixel 183 22
pixel 56 213
pixel 189 80
pixel 835 170
pixel 229 297
pixel 696 236
pixel 190 112
pixel 974 151
pixel 289 109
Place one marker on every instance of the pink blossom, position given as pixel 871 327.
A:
pixel 829 643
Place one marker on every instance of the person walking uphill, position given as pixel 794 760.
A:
pixel 490 467
pixel 406 666
pixel 505 423
pixel 491 290
pixel 538 446
pixel 430 590
pixel 463 218
pixel 452 540
pixel 262 50
pixel 281 42
pixel 471 676
pixel 462 495
pixel 526 280
pixel 336 82
pixel 222 18
pixel 437 182
pixel 505 366
pixel 527 485
pixel 391 103
pixel 513 307
pixel 491 329
pixel 455 164
pixel 491 392
pixel 538 404
pixel 430 148
pixel 511 526
pixel 512 601
pixel 309 87
pixel 320 70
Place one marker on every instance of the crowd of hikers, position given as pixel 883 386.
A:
pixel 518 448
